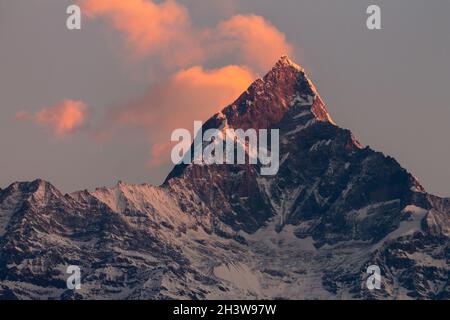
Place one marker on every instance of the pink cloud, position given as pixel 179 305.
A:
pixel 60 119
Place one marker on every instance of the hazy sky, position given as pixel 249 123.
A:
pixel 88 107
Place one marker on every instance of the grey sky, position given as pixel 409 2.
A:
pixel 390 87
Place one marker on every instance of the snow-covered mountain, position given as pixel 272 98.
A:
pixel 225 231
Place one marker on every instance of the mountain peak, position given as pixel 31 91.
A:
pixel 285 61
pixel 267 100
pixel 30 186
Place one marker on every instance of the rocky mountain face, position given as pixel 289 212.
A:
pixel 225 231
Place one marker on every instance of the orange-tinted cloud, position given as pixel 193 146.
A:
pixel 150 28
pixel 254 40
pixel 164 30
pixel 61 119
pixel 191 94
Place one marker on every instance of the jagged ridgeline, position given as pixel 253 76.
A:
pixel 226 231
